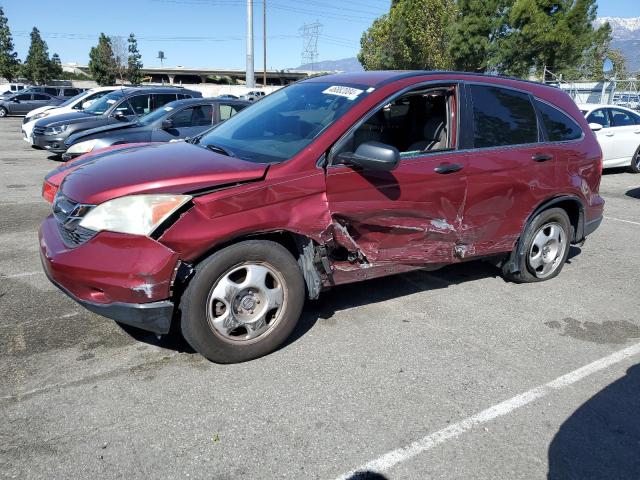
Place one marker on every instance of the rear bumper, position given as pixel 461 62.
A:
pixel 123 277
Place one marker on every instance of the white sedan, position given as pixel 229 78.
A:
pixel 74 104
pixel 618 132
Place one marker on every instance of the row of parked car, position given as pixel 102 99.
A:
pixel 105 116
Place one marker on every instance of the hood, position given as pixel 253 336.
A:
pixel 79 137
pixel 161 167
pixel 66 118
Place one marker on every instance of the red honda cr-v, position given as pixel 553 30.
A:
pixel 328 181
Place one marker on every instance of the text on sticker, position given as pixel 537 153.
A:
pixel 349 92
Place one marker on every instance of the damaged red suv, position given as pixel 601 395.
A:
pixel 332 180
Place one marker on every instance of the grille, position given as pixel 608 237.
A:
pixel 38 130
pixel 68 213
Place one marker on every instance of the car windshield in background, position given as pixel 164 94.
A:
pixel 72 99
pixel 285 122
pixel 103 104
pixel 151 117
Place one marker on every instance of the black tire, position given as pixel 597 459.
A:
pixel 526 273
pixel 635 162
pixel 194 304
pixel 3 112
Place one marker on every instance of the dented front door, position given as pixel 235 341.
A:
pixel 411 215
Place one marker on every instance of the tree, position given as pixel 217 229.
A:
pixel 55 66
pixel 9 63
pixel 546 34
pixel 134 64
pixel 474 35
pixel 119 47
pixel 411 36
pixel 102 63
pixel 37 66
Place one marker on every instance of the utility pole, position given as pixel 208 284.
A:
pixel 264 43
pixel 250 79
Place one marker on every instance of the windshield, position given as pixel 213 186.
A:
pixel 156 114
pixel 73 99
pixel 104 103
pixel 285 122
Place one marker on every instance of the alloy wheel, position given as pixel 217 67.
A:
pixel 547 249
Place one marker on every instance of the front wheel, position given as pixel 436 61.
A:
pixel 545 247
pixel 243 302
pixel 635 162
pixel 3 112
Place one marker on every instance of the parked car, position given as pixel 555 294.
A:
pixel 9 89
pixel 328 181
pixel 618 132
pixel 176 120
pixel 22 103
pixel 227 96
pixel 253 95
pixel 74 104
pixel 118 107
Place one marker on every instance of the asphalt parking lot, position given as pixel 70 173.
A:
pixel 449 374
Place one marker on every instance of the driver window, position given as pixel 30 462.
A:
pixel 124 108
pixel 418 122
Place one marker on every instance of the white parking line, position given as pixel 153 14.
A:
pixel 402 454
pixel 621 220
pixel 23 274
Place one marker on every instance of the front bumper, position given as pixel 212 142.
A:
pixel 123 277
pixel 52 143
pixel 70 156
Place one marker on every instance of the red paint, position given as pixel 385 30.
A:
pixel 390 222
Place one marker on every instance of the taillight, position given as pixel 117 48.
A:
pixel 49 191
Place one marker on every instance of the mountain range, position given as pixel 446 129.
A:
pixel 625 37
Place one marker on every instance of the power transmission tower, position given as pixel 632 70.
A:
pixel 310 33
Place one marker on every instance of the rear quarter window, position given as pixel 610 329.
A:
pixel 502 117
pixel 558 126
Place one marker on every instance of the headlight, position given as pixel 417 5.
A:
pixel 38 115
pixel 55 130
pixel 82 147
pixel 135 214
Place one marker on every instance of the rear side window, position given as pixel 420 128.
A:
pixel 620 118
pixel 559 127
pixel 227 111
pixel 164 98
pixel 51 91
pixel 502 117
pixel 71 92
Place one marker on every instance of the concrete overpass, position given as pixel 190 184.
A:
pixel 187 75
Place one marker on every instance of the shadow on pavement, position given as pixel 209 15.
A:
pixel 601 440
pixel 367 475
pixel 633 193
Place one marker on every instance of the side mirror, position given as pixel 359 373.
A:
pixel 119 115
pixel 372 156
pixel 87 104
pixel 167 124
pixel 15 100
pixel 595 127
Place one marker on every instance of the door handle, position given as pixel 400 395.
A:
pixel 541 157
pixel 636 131
pixel 446 168
pixel 609 134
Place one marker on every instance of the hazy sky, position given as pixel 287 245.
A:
pixel 208 32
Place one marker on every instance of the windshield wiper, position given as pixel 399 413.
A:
pixel 217 149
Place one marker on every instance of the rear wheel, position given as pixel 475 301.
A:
pixel 635 162
pixel 3 112
pixel 545 247
pixel 243 302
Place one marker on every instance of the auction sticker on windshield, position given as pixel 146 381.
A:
pixel 349 92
